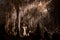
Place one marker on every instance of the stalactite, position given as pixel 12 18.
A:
pixel 31 14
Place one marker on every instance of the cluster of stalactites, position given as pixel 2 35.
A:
pixel 40 6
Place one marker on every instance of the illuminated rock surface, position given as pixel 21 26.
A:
pixel 29 20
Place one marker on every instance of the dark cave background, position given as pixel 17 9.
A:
pixel 4 36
